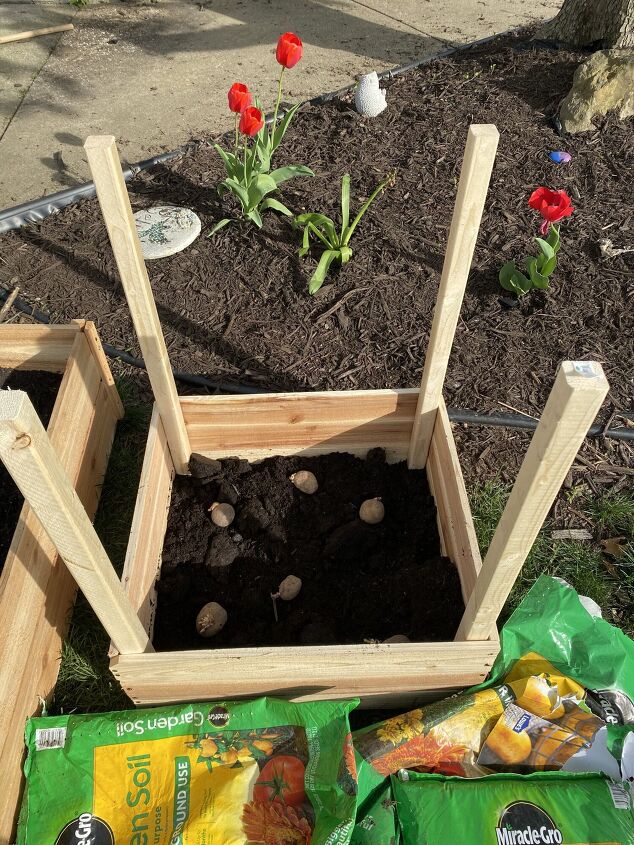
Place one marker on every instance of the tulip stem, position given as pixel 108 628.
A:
pixel 279 97
pixel 235 146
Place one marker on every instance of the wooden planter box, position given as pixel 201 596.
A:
pixel 36 589
pixel 254 427
pixel 410 424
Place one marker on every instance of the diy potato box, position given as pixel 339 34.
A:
pixel 408 424
pixel 36 590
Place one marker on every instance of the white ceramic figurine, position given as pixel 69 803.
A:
pixel 369 98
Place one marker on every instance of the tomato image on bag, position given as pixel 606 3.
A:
pixel 263 772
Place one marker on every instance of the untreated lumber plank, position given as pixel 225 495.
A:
pixel 304 673
pixel 32 463
pixel 482 141
pixel 453 503
pixel 37 347
pixel 579 390
pixel 143 556
pixel 112 193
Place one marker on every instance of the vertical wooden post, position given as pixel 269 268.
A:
pixel 115 205
pixel 34 466
pixel 579 390
pixel 482 142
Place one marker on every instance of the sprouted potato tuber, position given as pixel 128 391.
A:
pixel 211 619
pixel 397 638
pixel 304 481
pixel 288 590
pixel 222 514
pixel 372 511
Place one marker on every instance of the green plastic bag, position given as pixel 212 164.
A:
pixel 552 622
pixel 262 771
pixel 546 808
pixel 377 822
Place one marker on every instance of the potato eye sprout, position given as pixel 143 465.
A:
pixel 222 514
pixel 288 590
pixel 305 481
pixel 211 619
pixel 372 511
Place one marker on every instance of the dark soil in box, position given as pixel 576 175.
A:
pixel 360 582
pixel 42 389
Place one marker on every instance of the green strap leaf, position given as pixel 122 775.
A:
pixel 346 254
pixel 232 165
pixel 547 250
pixel 318 277
pixel 254 215
pixel 305 243
pixel 330 237
pixel 276 206
pixel 538 280
pixel 238 191
pixel 281 174
pixel 548 267
pixel 319 234
pixel 345 202
pixel 347 234
pixel 280 130
pixel 219 225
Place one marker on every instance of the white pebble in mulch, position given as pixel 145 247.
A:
pixel 166 229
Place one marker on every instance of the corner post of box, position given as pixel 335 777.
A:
pixel 580 388
pixel 26 451
pixel 479 156
pixel 105 167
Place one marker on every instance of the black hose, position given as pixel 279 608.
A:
pixel 456 415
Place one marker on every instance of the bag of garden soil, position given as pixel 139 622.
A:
pixel 258 772
pixel 555 657
pixel 545 808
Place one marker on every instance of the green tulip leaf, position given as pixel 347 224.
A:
pixel 548 267
pixel 270 202
pixel 537 278
pixel 547 250
pixel 318 277
pixel 289 172
pixel 219 225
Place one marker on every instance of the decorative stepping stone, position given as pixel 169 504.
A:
pixel 166 229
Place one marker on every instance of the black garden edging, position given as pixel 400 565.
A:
pixel 456 415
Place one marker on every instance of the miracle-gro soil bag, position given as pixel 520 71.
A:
pixel 262 772
pixel 545 808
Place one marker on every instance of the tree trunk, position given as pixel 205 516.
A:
pixel 584 22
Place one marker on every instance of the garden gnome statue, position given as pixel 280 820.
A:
pixel 369 98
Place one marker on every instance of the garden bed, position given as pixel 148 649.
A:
pixel 360 582
pixel 65 372
pixel 42 390
pixel 243 311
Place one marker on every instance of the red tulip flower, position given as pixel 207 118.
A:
pixel 251 121
pixel 289 50
pixel 239 97
pixel 552 205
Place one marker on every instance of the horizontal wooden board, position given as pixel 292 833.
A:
pixel 304 673
pixel 36 347
pixel 259 426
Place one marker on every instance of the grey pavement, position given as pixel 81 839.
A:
pixel 155 74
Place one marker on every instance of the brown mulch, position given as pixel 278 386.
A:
pixel 236 307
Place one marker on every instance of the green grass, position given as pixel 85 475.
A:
pixel 581 563
pixel 85 683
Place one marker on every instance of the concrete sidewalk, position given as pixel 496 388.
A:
pixel 155 74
